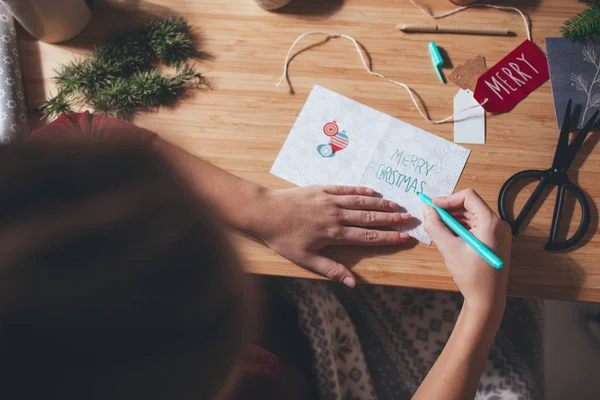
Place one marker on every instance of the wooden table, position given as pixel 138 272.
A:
pixel 241 123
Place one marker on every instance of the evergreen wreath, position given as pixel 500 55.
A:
pixel 584 24
pixel 123 76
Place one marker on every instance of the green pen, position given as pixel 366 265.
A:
pixel 464 234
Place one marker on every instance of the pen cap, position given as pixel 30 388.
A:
pixel 436 57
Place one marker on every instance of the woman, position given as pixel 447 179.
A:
pixel 117 283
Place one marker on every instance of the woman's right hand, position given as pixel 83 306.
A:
pixel 483 287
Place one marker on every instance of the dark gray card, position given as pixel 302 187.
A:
pixel 574 74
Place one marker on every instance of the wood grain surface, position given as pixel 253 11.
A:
pixel 242 121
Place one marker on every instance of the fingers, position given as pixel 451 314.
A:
pixel 437 230
pixel 464 218
pixel 331 269
pixel 373 218
pixel 369 237
pixel 349 190
pixel 467 199
pixel 460 214
pixel 465 222
pixel 358 202
pixel 360 198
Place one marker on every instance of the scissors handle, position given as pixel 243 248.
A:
pixel 584 224
pixel 563 187
pixel 502 198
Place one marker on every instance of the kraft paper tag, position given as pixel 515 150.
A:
pixel 512 79
pixel 465 76
pixel 469 125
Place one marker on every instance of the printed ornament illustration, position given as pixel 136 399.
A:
pixel 338 141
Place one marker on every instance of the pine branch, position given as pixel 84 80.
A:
pixel 70 77
pixel 582 24
pixel 173 87
pixel 55 106
pixel 172 41
pixel 148 89
pixel 586 23
pixel 121 76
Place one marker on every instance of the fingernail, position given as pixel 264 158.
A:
pixel 404 236
pixel 369 191
pixel 405 216
pixel 392 205
pixel 348 281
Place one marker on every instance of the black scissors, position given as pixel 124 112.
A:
pixel 555 176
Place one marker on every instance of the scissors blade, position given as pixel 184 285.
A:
pixel 578 140
pixel 562 147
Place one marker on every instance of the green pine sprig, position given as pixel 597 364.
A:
pixel 585 24
pixel 123 75
pixel 56 105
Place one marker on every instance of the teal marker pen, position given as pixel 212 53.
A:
pixel 464 234
pixel 436 59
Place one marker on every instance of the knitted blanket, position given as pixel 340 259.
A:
pixel 377 342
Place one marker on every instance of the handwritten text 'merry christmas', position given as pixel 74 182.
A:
pixel 417 167
pixel 512 79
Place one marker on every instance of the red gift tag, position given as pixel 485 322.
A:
pixel 512 79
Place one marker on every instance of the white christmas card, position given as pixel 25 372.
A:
pixel 338 141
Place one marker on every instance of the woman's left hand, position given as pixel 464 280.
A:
pixel 297 223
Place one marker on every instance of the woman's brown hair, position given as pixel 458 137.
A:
pixel 115 280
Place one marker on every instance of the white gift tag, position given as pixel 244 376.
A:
pixel 469 126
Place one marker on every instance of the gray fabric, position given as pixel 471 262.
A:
pixel 13 108
pixel 377 342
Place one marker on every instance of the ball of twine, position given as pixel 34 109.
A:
pixel 272 4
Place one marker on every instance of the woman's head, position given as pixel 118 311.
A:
pixel 115 280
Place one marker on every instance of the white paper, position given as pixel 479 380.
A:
pixel 299 160
pixel 469 126
pixel 394 158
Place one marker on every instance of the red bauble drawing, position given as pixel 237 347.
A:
pixel 339 142
pixel 331 128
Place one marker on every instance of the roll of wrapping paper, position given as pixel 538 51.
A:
pixel 13 107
